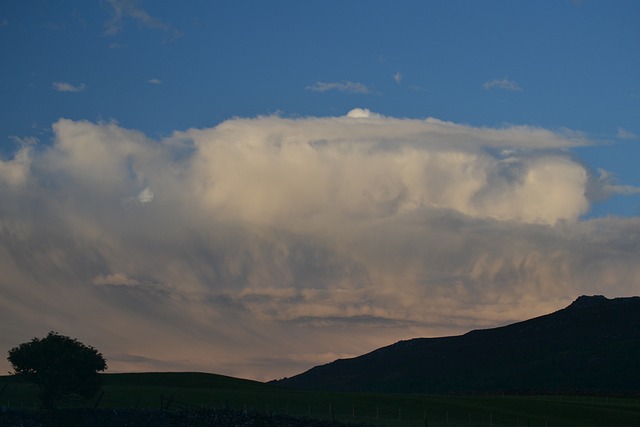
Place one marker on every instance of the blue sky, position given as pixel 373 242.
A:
pixel 303 181
pixel 562 64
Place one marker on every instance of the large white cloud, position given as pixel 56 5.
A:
pixel 263 246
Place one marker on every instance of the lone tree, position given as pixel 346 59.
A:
pixel 60 366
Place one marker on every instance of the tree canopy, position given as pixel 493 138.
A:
pixel 59 366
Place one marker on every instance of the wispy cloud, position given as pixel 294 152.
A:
pixel 606 185
pixel 154 81
pixel 626 134
pixel 122 9
pixel 4 23
pixel 344 86
pixel 68 87
pixel 503 83
pixel 26 141
pixel 332 234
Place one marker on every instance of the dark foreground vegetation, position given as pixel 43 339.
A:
pixel 59 367
pixel 193 399
pixel 155 418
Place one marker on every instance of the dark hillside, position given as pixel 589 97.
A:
pixel 182 380
pixel 592 346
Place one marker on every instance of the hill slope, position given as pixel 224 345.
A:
pixel 593 345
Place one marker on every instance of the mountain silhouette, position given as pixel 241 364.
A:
pixel 591 346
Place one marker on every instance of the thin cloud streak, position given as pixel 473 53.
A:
pixel 626 134
pixel 504 84
pixel 607 185
pixel 231 248
pixel 344 87
pixel 122 9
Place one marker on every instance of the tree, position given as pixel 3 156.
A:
pixel 59 366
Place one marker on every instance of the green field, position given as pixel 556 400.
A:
pixel 180 390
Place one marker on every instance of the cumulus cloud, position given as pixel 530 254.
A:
pixel 228 249
pixel 68 87
pixel 359 113
pixel 344 87
pixel 15 172
pixel 504 84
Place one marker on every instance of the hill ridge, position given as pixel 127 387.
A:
pixel 592 344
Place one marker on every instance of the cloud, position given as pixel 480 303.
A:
pixel 503 83
pixel 68 87
pixel 344 87
pixel 122 9
pixel 116 279
pixel 15 172
pixel 154 81
pixel 362 113
pixel 228 249
pixel 145 196
pixel 606 185
pixel 27 141
pixel 626 134
pixel 397 77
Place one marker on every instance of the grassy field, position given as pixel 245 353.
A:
pixel 178 390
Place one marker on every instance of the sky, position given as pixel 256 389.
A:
pixel 254 188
